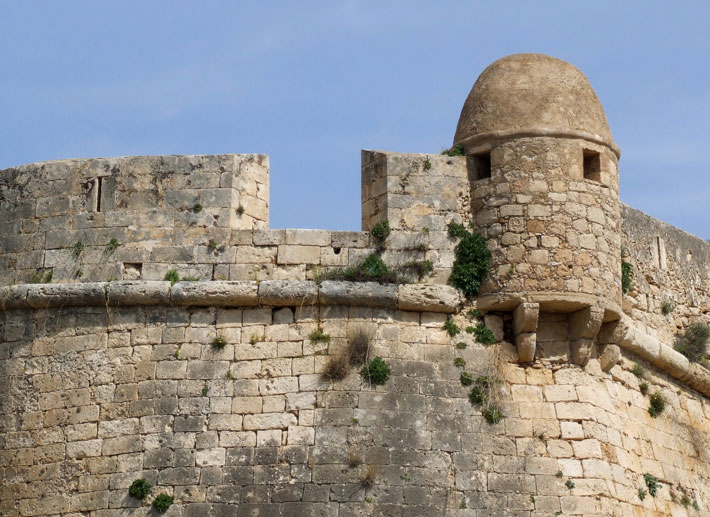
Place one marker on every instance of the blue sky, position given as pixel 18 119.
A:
pixel 311 83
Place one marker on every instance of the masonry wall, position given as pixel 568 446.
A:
pixel 62 216
pixel 98 397
pixel 669 265
pixel 109 376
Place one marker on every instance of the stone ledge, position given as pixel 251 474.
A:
pixel 663 357
pixel 274 293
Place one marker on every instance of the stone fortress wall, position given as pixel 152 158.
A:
pixel 111 375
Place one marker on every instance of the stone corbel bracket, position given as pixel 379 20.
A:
pixel 274 293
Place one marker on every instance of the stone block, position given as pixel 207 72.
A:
pixel 609 356
pixel 581 351
pixel 358 294
pixel 526 344
pixel 296 254
pixel 288 292
pixel 429 297
pixel 525 318
pixel 585 323
pixel 215 293
pixel 495 325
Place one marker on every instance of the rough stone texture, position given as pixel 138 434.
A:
pixel 433 298
pixel 222 388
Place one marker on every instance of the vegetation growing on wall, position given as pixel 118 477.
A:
pixel 162 503
pixel 693 343
pixel 483 334
pixel 456 150
pixel 472 260
pixel 139 488
pixel 374 269
pixel 657 405
pixel 627 276
pixel 376 371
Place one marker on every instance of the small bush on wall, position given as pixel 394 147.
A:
pixel 693 343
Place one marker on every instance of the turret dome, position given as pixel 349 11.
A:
pixel 536 95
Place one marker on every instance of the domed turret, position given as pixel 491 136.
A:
pixel 544 186
pixel 532 94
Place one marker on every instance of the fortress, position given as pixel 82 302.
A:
pixel 153 327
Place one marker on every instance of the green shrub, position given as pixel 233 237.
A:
pixel 461 345
pixel 172 276
pixel 658 404
pixel 466 379
pixel 667 307
pixel 627 276
pixel 372 269
pixel 642 494
pixel 559 474
pixel 162 503
pixel 479 392
pixel 570 484
pixel 376 371
pixel 205 390
pixel 451 328
pixel 492 414
pixel 240 210
pixel 638 370
pixel 474 314
pixel 456 230
pixel 78 248
pixel 381 230
pixel 693 343
pixel 219 342
pixel 139 488
pixel 112 245
pixel 456 150
pixel 318 336
pixel 427 164
pixel 643 388
pixel 471 262
pixel 470 329
pixel 483 334
pixel 652 484
pixel 460 362
pixel 419 267
pixel 212 245
pixel 477 396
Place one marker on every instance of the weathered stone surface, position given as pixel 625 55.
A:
pixel 138 293
pixel 525 318
pixel 429 298
pixel 287 292
pixel 675 363
pixel 365 294
pixel 220 293
pixel 229 394
pixel 526 344
pixel 581 350
pixel 585 323
pixel 609 356
pixel 53 295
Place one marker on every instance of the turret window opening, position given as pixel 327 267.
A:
pixel 479 165
pixel 592 165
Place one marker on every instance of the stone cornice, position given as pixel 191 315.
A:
pixel 275 293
